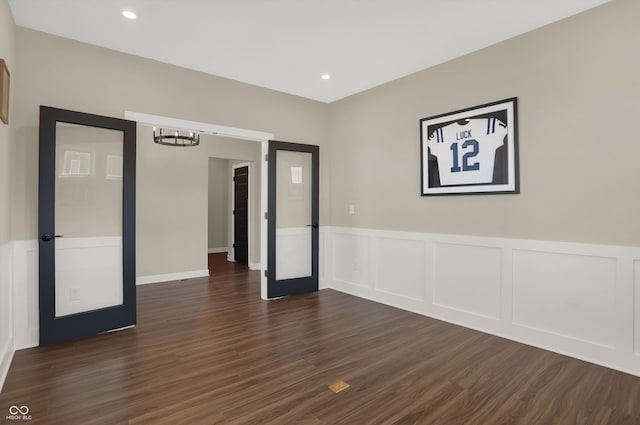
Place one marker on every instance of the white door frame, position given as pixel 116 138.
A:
pixel 233 132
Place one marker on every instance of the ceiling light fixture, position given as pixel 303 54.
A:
pixel 129 14
pixel 325 76
pixel 176 138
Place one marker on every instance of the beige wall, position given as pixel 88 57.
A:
pixel 172 183
pixel 7 31
pixel 578 86
pixel 218 202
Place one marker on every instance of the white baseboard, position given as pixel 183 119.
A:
pixel 230 257
pixel 218 250
pixel 254 266
pixel 144 280
pixel 6 355
pixel 580 300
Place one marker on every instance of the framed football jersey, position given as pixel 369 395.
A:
pixel 471 151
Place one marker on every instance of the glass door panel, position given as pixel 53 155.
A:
pixel 293 220
pixel 88 218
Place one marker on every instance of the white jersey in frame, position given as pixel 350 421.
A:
pixel 465 150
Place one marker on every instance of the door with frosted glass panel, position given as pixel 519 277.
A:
pixel 292 219
pixel 86 224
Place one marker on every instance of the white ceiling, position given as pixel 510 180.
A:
pixel 286 45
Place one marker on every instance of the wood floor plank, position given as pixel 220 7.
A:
pixel 209 351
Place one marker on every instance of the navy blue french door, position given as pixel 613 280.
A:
pixel 86 223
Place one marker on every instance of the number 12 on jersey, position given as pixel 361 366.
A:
pixel 469 149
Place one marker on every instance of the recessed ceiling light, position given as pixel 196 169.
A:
pixel 129 14
pixel 325 76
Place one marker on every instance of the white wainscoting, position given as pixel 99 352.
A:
pixel 25 294
pixel 582 300
pixel 6 356
pixel 351 260
pixel 6 311
pixel 468 278
pixel 322 258
pixel 566 294
pixel 399 269
pixel 636 278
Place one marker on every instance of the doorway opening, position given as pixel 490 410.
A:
pixel 231 200
pixel 262 140
pixel 278 228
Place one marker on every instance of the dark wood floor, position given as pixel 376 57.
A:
pixel 209 351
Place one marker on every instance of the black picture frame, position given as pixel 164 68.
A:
pixel 471 151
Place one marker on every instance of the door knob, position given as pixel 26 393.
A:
pixel 47 237
pixel 315 226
